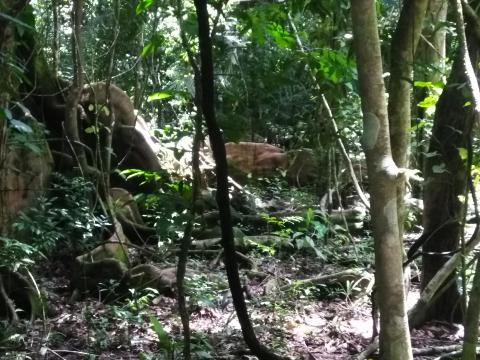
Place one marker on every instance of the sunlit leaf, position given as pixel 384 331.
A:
pixel 463 153
pixel 159 96
pixel 428 102
pixel 143 5
pixel 91 130
pixel 147 49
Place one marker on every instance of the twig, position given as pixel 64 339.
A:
pixel 350 274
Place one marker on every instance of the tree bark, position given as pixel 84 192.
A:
pixel 219 153
pixel 71 123
pixel 403 48
pixel 383 176
pixel 196 178
pixel 446 183
pixel 430 62
pixel 471 321
pixel 8 91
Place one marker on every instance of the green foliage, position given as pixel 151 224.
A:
pixel 204 291
pixel 307 232
pixel 202 349
pixel 166 344
pixel 11 337
pixel 63 219
pixel 14 253
pixel 433 94
pixel 148 177
pixel 140 300
pixel 23 130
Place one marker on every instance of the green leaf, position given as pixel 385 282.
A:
pixel 33 147
pixel 421 124
pixel 463 153
pixel 431 154
pixel 6 113
pixel 281 37
pixel 429 101
pixel 155 42
pixel 147 49
pixel 163 338
pixel 143 5
pixel 159 96
pixel 91 130
pixel 21 126
pixel 429 84
pixel 439 169
pixel 15 21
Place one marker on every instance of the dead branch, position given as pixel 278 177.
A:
pixel 339 277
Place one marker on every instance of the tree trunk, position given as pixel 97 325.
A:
pixel 71 123
pixel 403 47
pixel 223 201
pixel 383 175
pixel 471 322
pixel 446 183
pixel 8 91
pixel 430 62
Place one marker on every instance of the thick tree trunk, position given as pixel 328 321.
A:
pixel 383 176
pixel 8 91
pixel 446 182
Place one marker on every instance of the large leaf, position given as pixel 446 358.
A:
pixel 155 42
pixel 161 95
pixel 21 126
pixel 15 21
pixel 163 338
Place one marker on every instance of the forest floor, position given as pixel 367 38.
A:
pixel 314 323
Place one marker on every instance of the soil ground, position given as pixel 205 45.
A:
pixel 312 323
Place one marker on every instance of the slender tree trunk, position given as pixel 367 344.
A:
pixel 471 321
pixel 383 176
pixel 71 123
pixel 56 37
pixel 196 176
pixel 139 71
pixel 107 132
pixel 430 62
pixel 223 201
pixel 403 47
